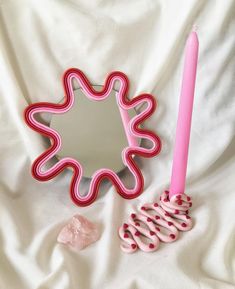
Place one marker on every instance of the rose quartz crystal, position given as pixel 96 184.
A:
pixel 78 233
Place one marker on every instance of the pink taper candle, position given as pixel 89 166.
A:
pixel 180 158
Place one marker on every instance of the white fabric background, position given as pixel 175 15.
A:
pixel 145 39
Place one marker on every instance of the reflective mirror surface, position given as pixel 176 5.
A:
pixel 92 132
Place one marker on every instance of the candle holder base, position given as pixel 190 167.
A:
pixel 155 223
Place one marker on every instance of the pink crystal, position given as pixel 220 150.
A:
pixel 78 233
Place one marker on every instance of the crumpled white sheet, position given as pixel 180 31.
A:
pixel 144 39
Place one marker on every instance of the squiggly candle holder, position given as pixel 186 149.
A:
pixel 156 222
pixel 131 127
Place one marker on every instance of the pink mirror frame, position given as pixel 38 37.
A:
pixel 131 128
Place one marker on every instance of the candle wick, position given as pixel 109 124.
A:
pixel 195 28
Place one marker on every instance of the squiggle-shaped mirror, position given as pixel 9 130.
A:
pixel 132 128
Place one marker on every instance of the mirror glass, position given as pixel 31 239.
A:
pixel 92 132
